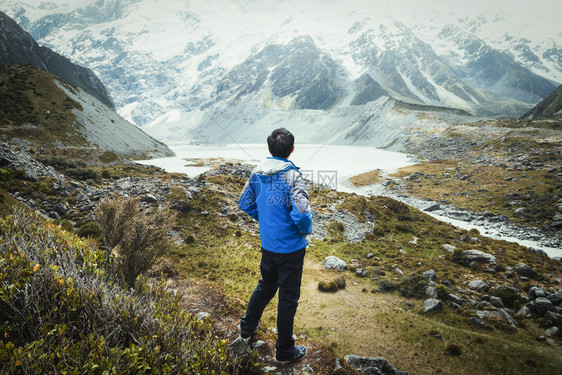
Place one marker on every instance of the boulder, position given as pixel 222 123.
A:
pixel 496 301
pixel 536 292
pixel 480 260
pixel 478 285
pixel 432 304
pixel 478 322
pixel 240 349
pixel 361 272
pixel 524 270
pixel 455 299
pixel 433 207
pixel 460 215
pixel 150 198
pixel 507 318
pixel 431 292
pixel 552 318
pixel 541 305
pixel 524 312
pixel 501 315
pixel 555 298
pixel 374 366
pixel 333 262
pixel 449 248
pixel 430 275
pixel 519 211
pixel 552 331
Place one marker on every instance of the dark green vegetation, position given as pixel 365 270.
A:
pixel 431 108
pixel 62 312
pixel 34 108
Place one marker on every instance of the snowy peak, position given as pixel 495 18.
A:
pixel 297 75
pixel 492 69
pixel 173 62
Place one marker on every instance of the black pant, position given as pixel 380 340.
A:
pixel 283 272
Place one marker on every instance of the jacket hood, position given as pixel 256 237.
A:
pixel 271 166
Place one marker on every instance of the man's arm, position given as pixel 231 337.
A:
pixel 300 212
pixel 247 201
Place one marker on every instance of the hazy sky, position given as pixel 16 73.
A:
pixel 533 17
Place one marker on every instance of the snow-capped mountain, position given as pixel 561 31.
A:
pixel 189 68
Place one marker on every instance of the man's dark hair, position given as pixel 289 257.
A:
pixel 280 143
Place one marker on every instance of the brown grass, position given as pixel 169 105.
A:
pixel 367 178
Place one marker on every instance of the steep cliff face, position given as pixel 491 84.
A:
pixel 549 107
pixel 19 47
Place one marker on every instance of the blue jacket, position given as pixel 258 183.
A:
pixel 276 197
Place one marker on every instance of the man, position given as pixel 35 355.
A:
pixel 275 196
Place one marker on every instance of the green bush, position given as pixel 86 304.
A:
pixel 65 224
pixel 378 231
pixel 108 157
pixel 510 297
pixel 387 285
pixel 83 174
pixel 62 313
pixel 413 286
pixel 90 229
pixel 335 230
pixel 138 237
pixel 403 228
pixel 458 257
pixel 340 282
pixel 332 286
pixel 5 176
pixel 327 286
pixel 442 291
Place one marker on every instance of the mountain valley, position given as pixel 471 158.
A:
pixel 387 288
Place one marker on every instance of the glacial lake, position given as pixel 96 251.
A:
pixel 328 164
pixel 331 165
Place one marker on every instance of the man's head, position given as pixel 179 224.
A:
pixel 281 143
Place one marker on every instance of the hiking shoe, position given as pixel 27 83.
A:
pixel 246 336
pixel 298 355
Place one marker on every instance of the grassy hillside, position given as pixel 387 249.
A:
pixel 224 249
pixel 214 266
pixel 35 109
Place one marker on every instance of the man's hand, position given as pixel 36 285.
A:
pixel 307 239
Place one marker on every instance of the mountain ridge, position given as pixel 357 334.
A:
pixel 549 107
pixel 180 59
pixel 19 47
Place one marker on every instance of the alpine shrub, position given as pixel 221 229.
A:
pixel 413 286
pixel 61 312
pixel 137 238
pixel 90 229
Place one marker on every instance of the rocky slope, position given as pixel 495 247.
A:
pixel 17 47
pixel 41 110
pixel 410 279
pixel 549 107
